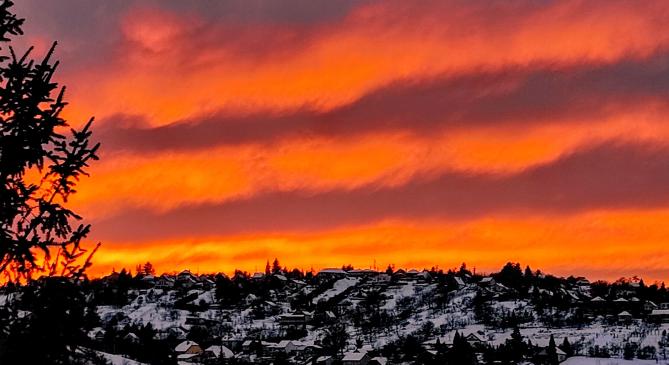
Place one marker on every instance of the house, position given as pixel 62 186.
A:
pixel 488 281
pixel 459 282
pixel 164 282
pixel 297 321
pixel 97 334
pixel 258 276
pixel 185 275
pixel 598 301
pixel 188 347
pixel 473 339
pixel 355 358
pixel 660 315
pixel 624 317
pixel 131 337
pixel 362 273
pixel 664 305
pixel 218 352
pixel 148 280
pixel 332 273
pixel 543 354
pixel 649 306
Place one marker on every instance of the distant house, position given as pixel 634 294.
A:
pixel 355 358
pixel 473 339
pixel 649 306
pixel 297 321
pixel 332 273
pixel 624 317
pixel 218 351
pixel 131 337
pixel 148 280
pixel 487 281
pixel 186 280
pixel 561 355
pixel 258 276
pixel 459 282
pixel 188 347
pixel 660 315
pixel 164 282
pixel 597 300
pixel 362 273
pixel 97 334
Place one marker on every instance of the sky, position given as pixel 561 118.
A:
pixel 324 133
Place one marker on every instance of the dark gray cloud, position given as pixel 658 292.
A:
pixel 512 96
pixel 608 176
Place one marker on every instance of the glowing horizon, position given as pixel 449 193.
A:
pixel 332 133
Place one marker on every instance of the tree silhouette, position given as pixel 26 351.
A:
pixel 39 166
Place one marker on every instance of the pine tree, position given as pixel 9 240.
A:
pixel 552 352
pixel 566 347
pixel 276 266
pixel 33 216
pixel 148 269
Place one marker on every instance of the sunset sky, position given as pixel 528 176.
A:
pixel 323 133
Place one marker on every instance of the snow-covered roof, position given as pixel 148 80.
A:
pixel 381 360
pixel 621 300
pixel 598 299
pixel 487 279
pixel 624 314
pixel 97 331
pixel 353 356
pixel 660 312
pixel 186 356
pixel 184 346
pixel 332 271
pixel 218 350
pixel 131 337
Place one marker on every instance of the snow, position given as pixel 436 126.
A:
pixel 580 360
pixel 354 356
pixel 118 359
pixel 184 346
pixel 218 350
pixel 339 287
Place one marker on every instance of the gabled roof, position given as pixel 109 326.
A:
pixel 184 346
pixel 218 350
pixel 354 356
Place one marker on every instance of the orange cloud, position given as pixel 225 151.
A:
pixel 172 67
pixel 167 180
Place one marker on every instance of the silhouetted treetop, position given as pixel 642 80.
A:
pixel 40 164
